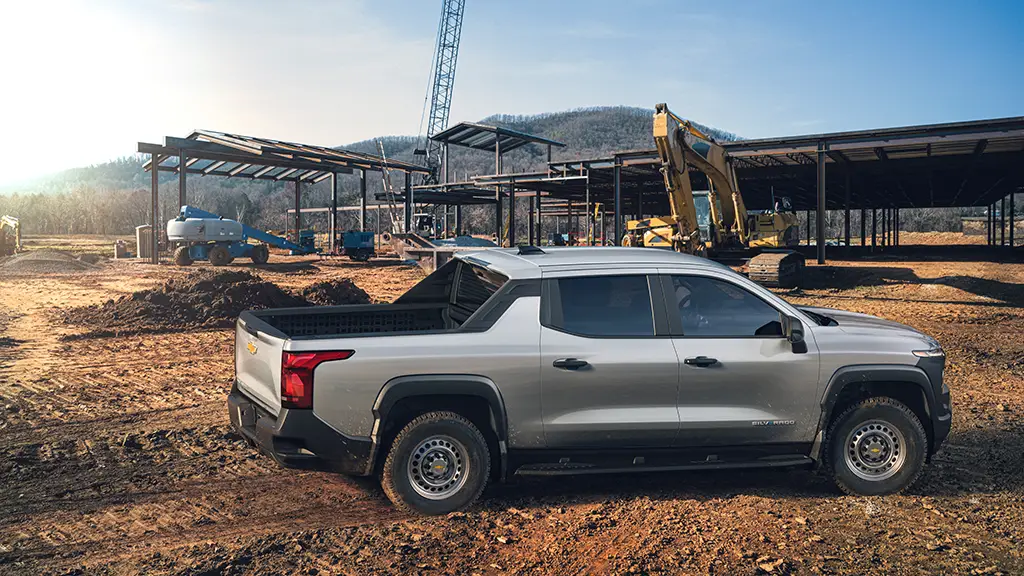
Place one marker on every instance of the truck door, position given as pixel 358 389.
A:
pixel 740 381
pixel 609 374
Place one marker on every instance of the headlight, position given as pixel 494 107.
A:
pixel 936 352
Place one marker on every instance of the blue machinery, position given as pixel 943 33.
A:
pixel 202 235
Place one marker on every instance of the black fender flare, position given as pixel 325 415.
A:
pixel 866 373
pixel 403 387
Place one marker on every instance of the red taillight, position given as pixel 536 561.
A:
pixel 297 375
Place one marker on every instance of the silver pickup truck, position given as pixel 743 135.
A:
pixel 584 360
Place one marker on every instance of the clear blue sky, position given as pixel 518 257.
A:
pixel 330 72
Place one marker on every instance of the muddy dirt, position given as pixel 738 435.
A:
pixel 116 458
pixel 205 298
pixel 335 292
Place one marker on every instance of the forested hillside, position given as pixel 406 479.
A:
pixel 113 198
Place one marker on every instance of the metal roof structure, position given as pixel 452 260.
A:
pixel 484 137
pixel 211 153
pixel 939 165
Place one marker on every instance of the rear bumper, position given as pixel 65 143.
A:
pixel 298 439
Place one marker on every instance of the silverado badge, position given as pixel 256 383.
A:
pixel 252 348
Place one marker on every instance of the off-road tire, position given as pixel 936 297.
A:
pixel 219 256
pixel 395 476
pixel 906 423
pixel 259 254
pixel 181 256
pixel 361 255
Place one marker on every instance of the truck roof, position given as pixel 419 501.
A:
pixel 517 263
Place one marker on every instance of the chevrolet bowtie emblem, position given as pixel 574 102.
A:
pixel 251 347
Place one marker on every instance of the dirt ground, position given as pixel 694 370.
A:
pixel 116 457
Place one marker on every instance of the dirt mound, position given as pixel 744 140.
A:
pixel 200 299
pixel 204 299
pixel 335 293
pixel 44 262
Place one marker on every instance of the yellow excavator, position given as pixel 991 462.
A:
pixel 10 235
pixel 734 235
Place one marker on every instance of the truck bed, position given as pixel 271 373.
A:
pixel 325 321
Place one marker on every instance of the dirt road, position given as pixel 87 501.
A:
pixel 116 457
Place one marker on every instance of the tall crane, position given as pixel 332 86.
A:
pixel 442 83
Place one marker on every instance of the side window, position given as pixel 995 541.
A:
pixel 709 307
pixel 605 306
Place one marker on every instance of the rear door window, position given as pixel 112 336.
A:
pixel 605 306
pixel 709 307
pixel 474 286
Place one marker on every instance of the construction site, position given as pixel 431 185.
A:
pixel 117 352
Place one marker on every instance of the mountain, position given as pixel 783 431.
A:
pixel 113 197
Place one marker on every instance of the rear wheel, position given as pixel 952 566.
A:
pixel 219 256
pixel 876 447
pixel 438 463
pixel 259 254
pixel 182 256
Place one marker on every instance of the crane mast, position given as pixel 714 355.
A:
pixel 446 53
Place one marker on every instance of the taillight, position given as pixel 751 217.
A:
pixel 297 375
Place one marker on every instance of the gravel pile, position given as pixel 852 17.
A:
pixel 44 262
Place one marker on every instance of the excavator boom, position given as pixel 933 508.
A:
pixel 677 184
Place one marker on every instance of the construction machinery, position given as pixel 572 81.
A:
pixel 10 235
pixel 756 239
pixel 202 235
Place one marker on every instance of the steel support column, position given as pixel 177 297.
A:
pixel 154 209
pixel 332 224
pixel 362 201
pixel 808 227
pixel 874 228
pixel 458 220
pixel 1013 219
pixel 590 221
pixel 617 178
pixel 497 192
pixel 512 213
pixel 298 211
pixel 531 220
pixel 897 226
pixel 182 174
pixel 863 227
pixel 536 199
pixel 1002 221
pixel 409 208
pixel 846 210
pixel 821 203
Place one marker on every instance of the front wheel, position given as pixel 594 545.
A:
pixel 438 463
pixel 876 447
pixel 259 254
pixel 219 256
pixel 182 256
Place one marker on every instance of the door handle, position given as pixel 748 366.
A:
pixel 701 361
pixel 569 363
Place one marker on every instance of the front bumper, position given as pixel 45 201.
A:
pixel 298 439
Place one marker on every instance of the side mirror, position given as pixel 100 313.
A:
pixel 793 330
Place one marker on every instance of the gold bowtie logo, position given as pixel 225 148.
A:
pixel 251 347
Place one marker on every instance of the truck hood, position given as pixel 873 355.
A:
pixel 867 325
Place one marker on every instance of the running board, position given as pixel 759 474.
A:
pixel 574 469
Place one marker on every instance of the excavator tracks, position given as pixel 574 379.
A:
pixel 781 269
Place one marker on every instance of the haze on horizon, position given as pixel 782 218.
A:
pixel 85 80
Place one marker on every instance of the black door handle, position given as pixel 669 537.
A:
pixel 569 363
pixel 701 361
